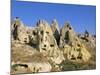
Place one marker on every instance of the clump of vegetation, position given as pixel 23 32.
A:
pixel 71 66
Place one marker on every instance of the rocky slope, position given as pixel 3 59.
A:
pixel 46 48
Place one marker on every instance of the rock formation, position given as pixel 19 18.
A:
pixel 43 48
pixel 72 46
pixel 55 30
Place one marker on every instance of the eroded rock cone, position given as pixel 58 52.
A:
pixel 56 31
pixel 47 43
pixel 19 31
pixel 72 46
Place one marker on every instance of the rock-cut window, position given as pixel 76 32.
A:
pixel 41 32
pixel 51 45
pixel 34 33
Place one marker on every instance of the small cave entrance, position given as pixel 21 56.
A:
pixel 70 28
pixel 41 32
pixel 44 49
pixel 44 45
pixel 51 45
pixel 25 40
pixel 78 45
pixel 21 65
pixel 80 56
pixel 73 58
pixel 34 33
pixel 47 32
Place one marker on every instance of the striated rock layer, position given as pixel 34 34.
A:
pixel 44 48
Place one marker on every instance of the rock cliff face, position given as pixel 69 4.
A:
pixel 43 48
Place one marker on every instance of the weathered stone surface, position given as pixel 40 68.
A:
pixel 56 31
pixel 47 43
pixel 19 31
pixel 44 48
pixel 75 50
pixel 34 63
pixel 89 42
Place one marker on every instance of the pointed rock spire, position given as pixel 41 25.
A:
pixel 55 30
pixel 72 45
pixel 19 31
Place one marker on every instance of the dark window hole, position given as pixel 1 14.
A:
pixel 34 33
pixel 47 32
pixel 73 58
pixel 70 28
pixel 43 48
pixel 79 57
pixel 24 65
pixel 44 45
pixel 52 45
pixel 25 39
pixel 41 32
pixel 68 25
pixel 78 45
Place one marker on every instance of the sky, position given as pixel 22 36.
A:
pixel 81 17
